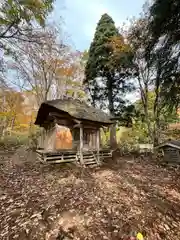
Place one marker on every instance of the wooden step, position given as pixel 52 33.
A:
pixel 89 159
pixel 89 163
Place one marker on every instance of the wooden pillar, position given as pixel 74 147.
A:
pixel 73 138
pixel 81 145
pixel 43 138
pixel 90 140
pixel 98 144
pixel 113 141
pixel 94 140
pixel 90 143
pixel 100 140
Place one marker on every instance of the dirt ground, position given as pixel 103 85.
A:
pixel 109 202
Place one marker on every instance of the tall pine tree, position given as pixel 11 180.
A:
pixel 108 67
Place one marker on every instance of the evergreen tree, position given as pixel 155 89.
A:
pixel 108 67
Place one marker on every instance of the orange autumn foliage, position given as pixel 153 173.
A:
pixel 15 111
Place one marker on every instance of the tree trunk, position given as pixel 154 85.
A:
pixel 113 141
pixel 12 123
pixel 4 126
pixel 156 129
pixel 156 110
pixel 144 98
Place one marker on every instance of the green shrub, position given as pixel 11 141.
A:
pixel 13 142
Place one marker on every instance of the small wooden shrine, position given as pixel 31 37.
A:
pixel 84 123
pixel 171 151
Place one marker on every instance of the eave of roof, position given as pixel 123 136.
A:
pixel 174 144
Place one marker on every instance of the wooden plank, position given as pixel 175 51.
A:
pixel 98 144
pixel 77 157
pixel 81 145
pixel 87 154
pixel 64 161
pixel 60 153
pixel 89 160
pixel 60 160
pixel 94 140
pixel 40 151
pixel 41 138
pixel 106 153
pixel 60 157
pixel 67 156
pixel 41 160
pixel 89 163
pixel 40 154
pixel 88 157
pixel 76 125
pixel 64 156
pixel 90 140
pixel 50 138
pixel 39 157
pixel 95 158
pixel 51 159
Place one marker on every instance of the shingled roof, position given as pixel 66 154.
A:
pixel 75 108
pixel 170 143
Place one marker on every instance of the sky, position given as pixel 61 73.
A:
pixel 81 16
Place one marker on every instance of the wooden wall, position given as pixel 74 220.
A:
pixel 58 137
pixel 65 139
pixel 171 155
